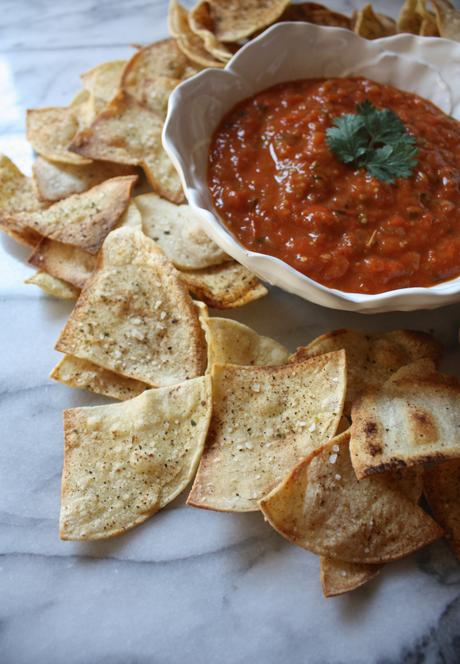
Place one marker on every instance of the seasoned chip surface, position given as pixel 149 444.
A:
pixel 339 577
pixel 233 24
pixel 264 420
pixel 53 286
pixel 135 317
pixel 441 486
pixel 51 130
pixel 124 462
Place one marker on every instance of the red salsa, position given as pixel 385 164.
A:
pixel 281 191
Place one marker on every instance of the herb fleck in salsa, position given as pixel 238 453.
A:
pixel 281 190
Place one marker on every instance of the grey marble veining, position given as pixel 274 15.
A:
pixel 189 585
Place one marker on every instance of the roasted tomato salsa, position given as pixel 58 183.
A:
pixel 281 191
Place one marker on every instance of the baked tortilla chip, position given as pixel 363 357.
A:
pixel 265 419
pixel 442 491
pixel 153 92
pixel 233 22
pixel 224 286
pixel 84 375
pixel 179 232
pixel 231 342
pixel 448 19
pixel 17 195
pixel 370 25
pixel 412 419
pixel 161 173
pixel 56 181
pixel 51 130
pixel 339 577
pixel 135 317
pixel 124 462
pixel 187 41
pixel 102 83
pixel 53 286
pixel 373 357
pixel 202 24
pixel 415 18
pixel 317 14
pixel 160 59
pixel 322 507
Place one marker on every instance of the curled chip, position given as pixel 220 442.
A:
pixel 448 19
pixel 83 220
pixel 84 375
pixel 224 286
pixel 265 419
pixel 124 462
pixel 322 507
pixel 374 357
pixel 231 342
pixel 53 286
pixel 51 130
pixel 370 25
pixel 339 577
pixel 412 419
pixel 442 490
pixel 135 317
pixel 187 41
pixel 202 24
pixel 178 231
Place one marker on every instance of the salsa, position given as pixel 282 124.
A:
pixel 281 191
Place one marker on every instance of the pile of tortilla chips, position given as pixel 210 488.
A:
pixel 335 443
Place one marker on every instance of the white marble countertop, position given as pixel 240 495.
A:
pixel 189 585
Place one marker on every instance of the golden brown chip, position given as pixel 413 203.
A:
pixel 178 230
pixel 83 220
pixel 224 286
pixel 264 420
pixel 315 13
pixel 442 491
pixel 102 83
pixel 202 24
pixel 232 22
pixel 56 181
pixel 187 41
pixel 84 375
pixel 64 261
pixel 338 576
pixel 448 19
pixel 53 286
pixel 370 25
pixel 374 357
pixel 409 20
pixel 231 342
pixel 411 419
pixel 124 462
pixel 153 92
pixel 135 317
pixel 51 130
pixel 322 507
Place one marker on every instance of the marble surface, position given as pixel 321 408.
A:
pixel 189 585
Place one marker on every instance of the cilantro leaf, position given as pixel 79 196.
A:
pixel 374 139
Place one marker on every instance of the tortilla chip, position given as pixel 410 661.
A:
pixel 153 92
pixel 162 175
pixel 322 507
pixel 411 419
pixel 53 286
pixel 339 577
pixel 83 220
pixel 265 419
pixel 187 41
pixel 374 357
pixel 317 14
pixel 17 195
pixel 233 22
pixel 409 20
pixel 231 342
pixel 84 375
pixel 442 491
pixel 102 83
pixel 448 19
pixel 51 130
pixel 135 317
pixel 178 231
pixel 224 286
pixel 124 462
pixel 202 24
pixel 56 181
pixel 370 25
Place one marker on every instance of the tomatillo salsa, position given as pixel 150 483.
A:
pixel 281 191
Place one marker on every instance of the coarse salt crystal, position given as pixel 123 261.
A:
pixel 338 477
pixel 335 448
pixel 249 446
pixel 333 458
pixel 157 304
pixel 163 315
pixel 255 387
pixel 312 427
pixel 301 424
pixel 343 573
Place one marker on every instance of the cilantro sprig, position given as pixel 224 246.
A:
pixel 374 139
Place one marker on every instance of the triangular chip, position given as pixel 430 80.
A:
pixel 442 491
pixel 55 181
pixel 409 19
pixel 53 286
pixel 179 232
pixel 83 220
pixel 124 462
pixel 231 342
pixel 102 83
pixel 339 577
pixel 135 317
pixel 84 375
pixel 411 419
pixel 188 42
pixel 370 25
pixel 233 22
pixel 322 507
pixel 202 24
pixel 225 286
pixel 373 357
pixel 51 130
pixel 448 19
pixel 265 419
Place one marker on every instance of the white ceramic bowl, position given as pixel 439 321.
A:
pixel 429 67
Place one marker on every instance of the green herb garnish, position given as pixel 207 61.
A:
pixel 375 139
